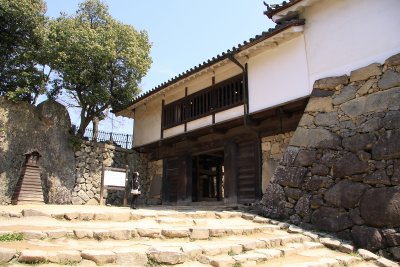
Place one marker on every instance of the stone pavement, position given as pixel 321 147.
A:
pixel 161 235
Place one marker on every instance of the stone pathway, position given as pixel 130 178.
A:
pixel 158 236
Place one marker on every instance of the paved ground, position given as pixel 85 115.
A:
pixel 207 235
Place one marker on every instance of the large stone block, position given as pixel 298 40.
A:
pixel 359 142
pixel 380 207
pixel 376 102
pixel 347 93
pixel 345 194
pixel 100 257
pixel 331 219
pixel 377 177
pixel 387 146
pixel 392 237
pixel 331 83
pixel 289 176
pixel 315 138
pixel 326 119
pixel 319 104
pixel 365 72
pixel 367 237
pixel 302 207
pixel 273 195
pixel 293 193
pixel 392 120
pixel 389 79
pixel 317 182
pixel 348 165
pixel 393 60
pixel 305 157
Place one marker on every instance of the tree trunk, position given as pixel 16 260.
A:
pixel 95 122
pixel 84 123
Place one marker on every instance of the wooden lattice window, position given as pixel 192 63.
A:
pixel 215 98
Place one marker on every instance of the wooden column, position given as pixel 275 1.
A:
pixel 230 173
pixel 185 180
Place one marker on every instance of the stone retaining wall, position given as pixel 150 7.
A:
pixel 341 171
pixel 272 148
pixel 89 161
pixel 25 128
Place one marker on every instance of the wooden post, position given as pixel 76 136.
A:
pixel 185 181
pixel 125 201
pixel 230 173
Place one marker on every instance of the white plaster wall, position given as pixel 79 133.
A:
pixel 229 114
pixel 343 35
pixel 196 124
pixel 278 75
pixel 174 131
pixel 147 125
pixel 225 72
pixel 199 83
pixel 174 94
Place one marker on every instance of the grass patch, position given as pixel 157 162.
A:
pixel 231 253
pixel 11 237
pixel 237 264
pixel 152 263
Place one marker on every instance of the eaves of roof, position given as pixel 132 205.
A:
pixel 220 57
pixel 274 9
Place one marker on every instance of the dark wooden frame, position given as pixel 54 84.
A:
pixel 125 188
pixel 216 98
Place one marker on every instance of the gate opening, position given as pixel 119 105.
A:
pixel 208 176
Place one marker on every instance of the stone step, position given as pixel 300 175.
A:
pixel 193 254
pixel 126 214
pixel 157 237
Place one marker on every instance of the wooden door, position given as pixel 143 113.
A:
pixel 248 172
pixel 170 180
pixel 177 180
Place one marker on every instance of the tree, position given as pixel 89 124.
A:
pixel 100 61
pixel 22 31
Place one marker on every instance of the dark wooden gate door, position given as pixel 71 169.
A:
pixel 177 180
pixel 248 172
pixel 170 180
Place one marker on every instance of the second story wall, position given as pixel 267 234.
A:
pixel 277 76
pixel 147 124
pixel 343 35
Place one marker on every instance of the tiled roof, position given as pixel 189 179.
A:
pixel 220 57
pixel 273 9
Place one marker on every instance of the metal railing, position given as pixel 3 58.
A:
pixel 118 139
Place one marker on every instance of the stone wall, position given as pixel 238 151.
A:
pixel 66 177
pixel 89 161
pixel 272 147
pixel 341 171
pixel 25 128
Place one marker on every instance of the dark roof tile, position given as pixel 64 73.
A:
pixel 273 9
pixel 258 38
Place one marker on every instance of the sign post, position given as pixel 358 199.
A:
pixel 115 179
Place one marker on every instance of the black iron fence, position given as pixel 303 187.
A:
pixel 118 139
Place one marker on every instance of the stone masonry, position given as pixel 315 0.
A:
pixel 272 147
pixel 89 161
pixel 341 171
pixel 25 128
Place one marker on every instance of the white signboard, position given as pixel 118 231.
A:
pixel 113 178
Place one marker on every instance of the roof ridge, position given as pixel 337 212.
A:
pixel 218 57
pixel 275 8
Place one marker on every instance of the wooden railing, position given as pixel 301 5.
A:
pixel 216 98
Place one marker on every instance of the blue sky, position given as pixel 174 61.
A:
pixel 184 33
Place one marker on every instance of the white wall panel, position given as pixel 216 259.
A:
pixel 278 75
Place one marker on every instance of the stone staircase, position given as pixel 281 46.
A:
pixel 180 236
